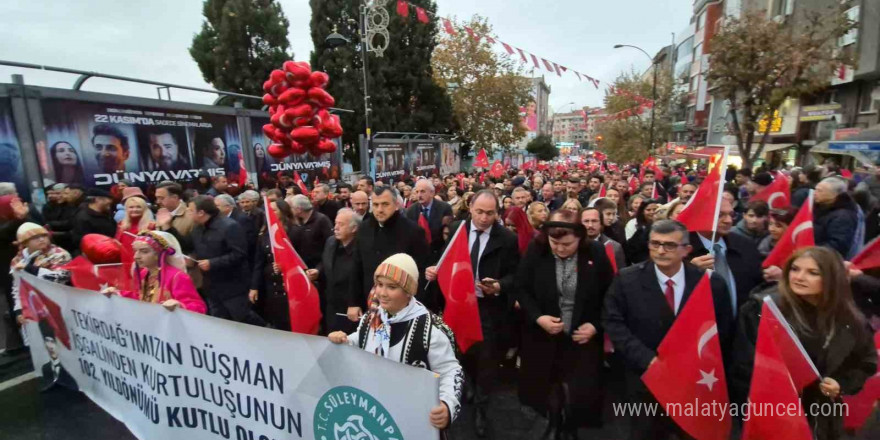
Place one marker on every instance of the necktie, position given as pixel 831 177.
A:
pixel 475 252
pixel 670 294
pixel 723 269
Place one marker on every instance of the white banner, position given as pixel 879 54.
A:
pixel 178 374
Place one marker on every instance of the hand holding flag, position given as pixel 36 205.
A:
pixel 455 276
pixel 799 234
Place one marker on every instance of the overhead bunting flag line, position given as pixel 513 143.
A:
pixel 422 15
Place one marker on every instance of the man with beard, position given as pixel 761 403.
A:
pixel 164 152
pixel 93 218
pixel 343 195
pixel 591 218
pixel 323 204
pixel 111 148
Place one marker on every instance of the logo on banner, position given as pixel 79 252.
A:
pixel 347 413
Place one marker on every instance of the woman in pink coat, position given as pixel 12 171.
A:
pixel 161 275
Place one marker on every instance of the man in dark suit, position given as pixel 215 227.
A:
pixel 335 271
pixel 226 204
pixel 437 212
pixel 549 198
pixel 642 305
pixel 323 204
pixel 382 234
pixel 220 249
pixel 495 255
pixel 735 258
pixel 53 372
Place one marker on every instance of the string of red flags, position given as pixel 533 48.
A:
pixel 450 26
pixel 623 114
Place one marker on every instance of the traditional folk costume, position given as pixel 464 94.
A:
pixel 414 336
pixel 169 280
pixel 42 264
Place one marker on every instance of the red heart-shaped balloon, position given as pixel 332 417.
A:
pixel 101 249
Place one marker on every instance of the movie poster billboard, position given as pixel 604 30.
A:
pixel 11 168
pixel 423 160
pixel 389 162
pixel 97 144
pixel 450 160
pixel 325 166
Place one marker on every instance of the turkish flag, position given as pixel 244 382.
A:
pixel 773 387
pixel 302 298
pixel 507 48
pixel 456 278
pixel 869 257
pixel 777 194
pixel 798 362
pixel 633 184
pixel 798 234
pixel 527 165
pixel 497 169
pixel 689 367
pixel 447 25
pixel 861 405
pixel 37 306
pixel 600 156
pixel 423 222
pixel 242 172
pixel 116 275
pixel 482 159
pixel 421 15
pixel 654 193
pixel 700 214
pixel 609 251
pixel 603 190
pixel 299 182
pixel 402 8
pixel 83 274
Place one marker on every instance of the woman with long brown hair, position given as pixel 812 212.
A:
pixel 561 288
pixel 815 298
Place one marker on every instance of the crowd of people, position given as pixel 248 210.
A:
pixel 549 294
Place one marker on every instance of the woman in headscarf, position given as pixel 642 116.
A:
pixel 160 274
pixel 815 297
pixel 401 329
pixel 561 287
pixel 517 221
pixel 39 257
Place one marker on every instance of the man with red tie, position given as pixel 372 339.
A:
pixel 641 306
pixel 437 214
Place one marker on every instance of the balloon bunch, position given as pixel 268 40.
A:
pixel 298 107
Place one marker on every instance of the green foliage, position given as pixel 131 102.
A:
pixel 758 63
pixel 489 91
pixel 404 97
pixel 627 139
pixel 241 41
pixel 542 147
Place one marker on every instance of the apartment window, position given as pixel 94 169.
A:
pixel 783 7
pixel 701 22
pixel 867 103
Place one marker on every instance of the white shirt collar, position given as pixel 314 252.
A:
pixel 677 278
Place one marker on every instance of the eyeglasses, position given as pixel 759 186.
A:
pixel 668 246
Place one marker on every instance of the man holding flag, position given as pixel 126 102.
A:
pixel 640 308
pixel 494 257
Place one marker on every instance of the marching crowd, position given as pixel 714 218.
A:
pixel 551 299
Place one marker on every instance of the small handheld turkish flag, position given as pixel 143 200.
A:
pixel 302 296
pixel 689 367
pixel 456 278
pixel 482 159
pixel 777 194
pixel 242 172
pixel 700 214
pixel 603 190
pixel 423 222
pixel 299 182
pixel 798 362
pixel 869 257
pixel 773 387
pixel 799 234
pixel 609 251
pixel 497 169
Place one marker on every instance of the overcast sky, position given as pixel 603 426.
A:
pixel 149 39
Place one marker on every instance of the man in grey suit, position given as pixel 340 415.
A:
pixel 438 213
pixel 591 219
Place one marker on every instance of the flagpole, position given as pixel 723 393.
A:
pixel 721 183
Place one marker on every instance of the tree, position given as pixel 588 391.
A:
pixel 626 133
pixel 757 63
pixel 241 41
pixel 403 95
pixel 489 91
pixel 542 147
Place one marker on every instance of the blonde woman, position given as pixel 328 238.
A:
pixel 537 213
pixel 138 217
pixel 572 205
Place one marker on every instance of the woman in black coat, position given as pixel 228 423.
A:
pixel 636 247
pixel 815 298
pixel 561 286
pixel 267 283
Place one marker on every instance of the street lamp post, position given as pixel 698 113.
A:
pixel 653 88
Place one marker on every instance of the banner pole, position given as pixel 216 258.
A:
pixel 721 182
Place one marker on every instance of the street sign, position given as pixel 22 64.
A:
pixel 855 145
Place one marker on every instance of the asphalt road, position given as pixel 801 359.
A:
pixel 26 413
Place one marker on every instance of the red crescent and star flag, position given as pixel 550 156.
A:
pixel 700 214
pixel 689 367
pixel 482 159
pixel 455 275
pixel 302 297
pixel 798 234
pixel 299 182
pixel 777 194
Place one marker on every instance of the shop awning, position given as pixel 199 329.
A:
pixel 769 148
pixel 706 152
pixel 861 157
pixel 867 140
